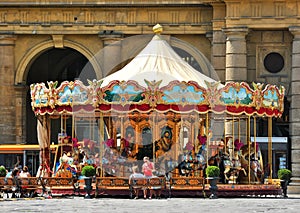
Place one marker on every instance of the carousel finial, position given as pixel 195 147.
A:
pixel 157 29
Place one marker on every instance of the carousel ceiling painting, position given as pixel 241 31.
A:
pixel 180 97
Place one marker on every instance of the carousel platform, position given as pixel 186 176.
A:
pixel 224 190
pixel 169 191
pixel 120 187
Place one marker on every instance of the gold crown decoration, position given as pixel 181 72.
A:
pixel 157 29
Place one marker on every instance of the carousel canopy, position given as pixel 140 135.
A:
pixel 158 62
pixel 157 79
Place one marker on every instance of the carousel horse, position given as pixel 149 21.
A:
pixel 237 165
pixel 186 166
pixel 255 168
pixel 232 168
pixel 227 163
pixel 222 161
pixel 200 161
pixel 255 171
pixel 229 146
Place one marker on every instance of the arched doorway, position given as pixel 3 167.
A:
pixel 188 58
pixel 54 65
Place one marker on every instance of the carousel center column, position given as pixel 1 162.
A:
pixel 7 94
pixel 236 67
pixel 294 186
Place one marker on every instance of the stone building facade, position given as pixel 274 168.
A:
pixel 247 40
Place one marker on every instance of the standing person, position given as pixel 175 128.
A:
pixel 135 174
pixel 147 169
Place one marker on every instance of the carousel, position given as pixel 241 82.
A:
pixel 160 107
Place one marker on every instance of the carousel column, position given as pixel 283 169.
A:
pixel 102 146
pixel 7 94
pixel 294 186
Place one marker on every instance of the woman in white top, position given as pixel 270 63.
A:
pixel 25 172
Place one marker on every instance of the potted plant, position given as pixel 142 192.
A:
pixel 213 175
pixel 2 171
pixel 88 171
pixel 284 175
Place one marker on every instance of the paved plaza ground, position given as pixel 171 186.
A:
pixel 171 205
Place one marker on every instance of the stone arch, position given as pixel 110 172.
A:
pixel 23 67
pixel 205 65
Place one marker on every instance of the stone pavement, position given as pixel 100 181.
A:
pixel 172 205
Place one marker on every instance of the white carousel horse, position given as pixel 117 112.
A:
pixel 255 165
pixel 257 171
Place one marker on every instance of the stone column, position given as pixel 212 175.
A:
pixel 7 94
pixel 236 70
pixel 294 114
pixel 236 54
pixel 111 53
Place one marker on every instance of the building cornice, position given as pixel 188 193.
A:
pixel 96 3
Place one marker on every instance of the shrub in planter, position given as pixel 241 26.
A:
pixel 88 171
pixel 284 174
pixel 212 174
pixel 2 171
pixel 212 171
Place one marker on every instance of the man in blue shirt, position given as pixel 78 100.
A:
pixel 136 175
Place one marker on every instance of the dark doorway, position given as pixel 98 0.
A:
pixel 54 65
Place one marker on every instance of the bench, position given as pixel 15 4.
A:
pixel 8 185
pixel 19 187
pixel 28 186
pixel 186 183
pixel 50 184
pixel 146 183
pixel 110 183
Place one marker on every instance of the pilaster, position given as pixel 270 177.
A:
pixel 294 186
pixel 218 41
pixel 7 99
pixel 20 113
